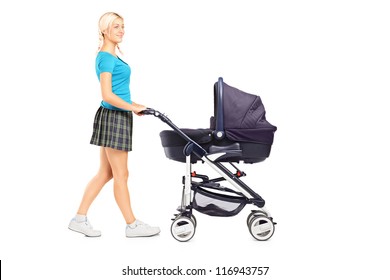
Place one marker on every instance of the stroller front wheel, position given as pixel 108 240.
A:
pixel 253 214
pixel 183 228
pixel 261 227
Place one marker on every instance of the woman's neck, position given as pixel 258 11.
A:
pixel 109 47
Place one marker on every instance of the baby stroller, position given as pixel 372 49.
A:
pixel 239 132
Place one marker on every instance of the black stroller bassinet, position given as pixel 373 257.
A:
pixel 239 132
pixel 238 127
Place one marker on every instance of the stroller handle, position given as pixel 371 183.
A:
pixel 194 147
pixel 149 111
pixel 157 114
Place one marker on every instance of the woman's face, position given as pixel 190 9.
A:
pixel 116 31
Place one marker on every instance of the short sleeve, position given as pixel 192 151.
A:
pixel 106 63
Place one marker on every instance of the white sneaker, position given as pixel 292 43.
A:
pixel 84 227
pixel 140 229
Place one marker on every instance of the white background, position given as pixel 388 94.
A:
pixel 322 71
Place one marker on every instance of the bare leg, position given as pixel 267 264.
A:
pixel 96 184
pixel 118 163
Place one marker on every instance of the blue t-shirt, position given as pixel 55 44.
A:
pixel 106 62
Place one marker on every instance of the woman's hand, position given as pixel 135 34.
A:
pixel 138 108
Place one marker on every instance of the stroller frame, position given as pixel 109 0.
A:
pixel 259 222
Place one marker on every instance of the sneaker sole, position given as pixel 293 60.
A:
pixel 135 236
pixel 84 233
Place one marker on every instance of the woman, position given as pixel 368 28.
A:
pixel 112 130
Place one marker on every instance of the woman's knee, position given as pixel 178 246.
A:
pixel 105 175
pixel 121 176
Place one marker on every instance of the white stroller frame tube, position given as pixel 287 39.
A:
pixel 187 182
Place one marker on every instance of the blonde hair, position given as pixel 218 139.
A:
pixel 105 23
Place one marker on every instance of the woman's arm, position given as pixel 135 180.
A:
pixel 111 98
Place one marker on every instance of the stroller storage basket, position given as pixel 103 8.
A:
pixel 216 204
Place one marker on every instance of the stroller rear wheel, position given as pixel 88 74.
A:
pixel 194 220
pixel 261 227
pixel 183 228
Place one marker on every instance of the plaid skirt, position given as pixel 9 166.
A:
pixel 113 129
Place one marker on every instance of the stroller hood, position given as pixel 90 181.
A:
pixel 240 115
